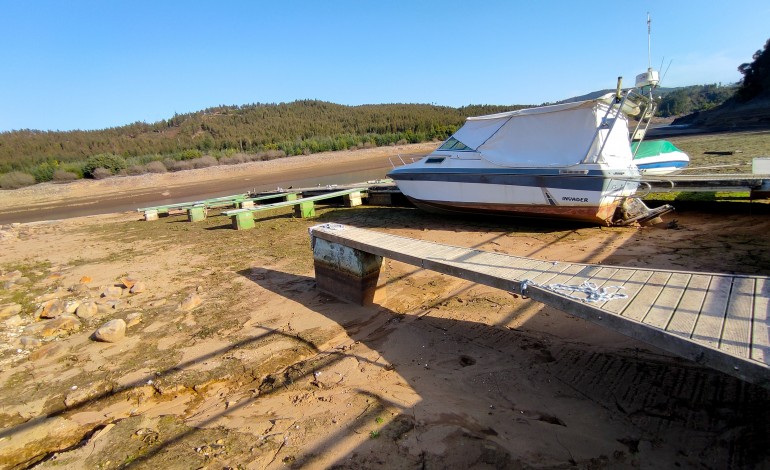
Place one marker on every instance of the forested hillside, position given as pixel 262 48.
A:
pixel 748 107
pixel 267 130
pixel 685 100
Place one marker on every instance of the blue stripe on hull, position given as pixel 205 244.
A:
pixel 597 183
pixel 646 166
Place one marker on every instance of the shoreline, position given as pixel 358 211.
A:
pixel 48 201
pixel 352 159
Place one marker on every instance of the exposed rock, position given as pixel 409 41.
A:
pixel 192 302
pixel 57 294
pixel 47 351
pixel 158 303
pixel 52 309
pixel 71 306
pixel 111 332
pixel 128 282
pixel 63 324
pixel 138 287
pixel 8 310
pixel 112 292
pixel 12 276
pixel 28 342
pixel 6 235
pixel 108 305
pixel 87 310
pixel 23 280
pixel 37 438
pixel 133 319
pixel 14 321
pixel 80 289
pixel 86 392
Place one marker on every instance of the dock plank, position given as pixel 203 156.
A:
pixel 665 305
pixel 647 296
pixel 708 327
pixel 682 323
pixel 631 288
pixel 760 331
pixel 737 330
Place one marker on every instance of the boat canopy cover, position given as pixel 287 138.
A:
pixel 557 135
pixel 651 148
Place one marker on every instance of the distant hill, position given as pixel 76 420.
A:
pixel 305 126
pixel 749 107
pixel 679 100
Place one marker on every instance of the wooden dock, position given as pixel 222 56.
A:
pixel 718 320
pixel 756 185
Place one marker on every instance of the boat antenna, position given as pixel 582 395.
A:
pixel 649 49
pixel 669 66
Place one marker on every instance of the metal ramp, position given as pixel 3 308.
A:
pixel 717 320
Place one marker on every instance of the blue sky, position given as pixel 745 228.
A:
pixel 96 64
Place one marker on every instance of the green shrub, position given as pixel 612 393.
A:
pixel 44 171
pixel 190 154
pixel 74 167
pixel 16 179
pixel 106 161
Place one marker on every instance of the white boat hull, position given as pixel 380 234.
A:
pixel 663 164
pixel 585 198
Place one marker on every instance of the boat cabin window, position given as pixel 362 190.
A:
pixel 434 159
pixel 454 144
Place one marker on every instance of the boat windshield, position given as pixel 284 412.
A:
pixel 454 144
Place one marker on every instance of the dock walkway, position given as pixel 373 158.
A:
pixel 718 320
pixel 758 185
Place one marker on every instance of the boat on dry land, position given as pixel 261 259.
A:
pixel 567 161
pixel 658 157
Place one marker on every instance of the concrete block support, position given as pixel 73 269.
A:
pixel 304 210
pixel 347 273
pixel 243 220
pixel 196 214
pixel 151 215
pixel 248 204
pixel 353 199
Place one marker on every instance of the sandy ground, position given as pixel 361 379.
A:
pixel 233 359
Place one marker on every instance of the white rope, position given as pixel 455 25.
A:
pixel 593 293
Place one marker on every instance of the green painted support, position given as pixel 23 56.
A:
pixel 243 220
pixel 304 210
pixel 196 214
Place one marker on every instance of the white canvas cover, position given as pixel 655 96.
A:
pixel 558 135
